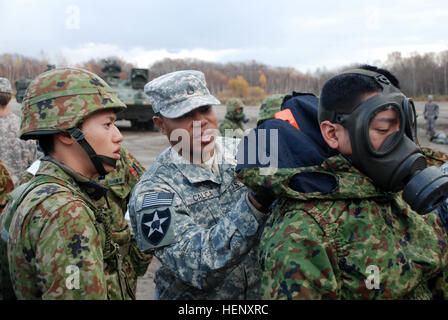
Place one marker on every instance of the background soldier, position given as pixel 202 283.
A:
pixel 431 114
pixel 188 209
pixel 16 154
pixel 270 106
pixel 341 228
pixel 61 244
pixel 6 185
pixel 234 119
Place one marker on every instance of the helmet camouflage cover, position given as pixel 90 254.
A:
pixel 60 99
pixel 270 106
pixel 234 104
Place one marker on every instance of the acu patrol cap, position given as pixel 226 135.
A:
pixel 5 86
pixel 177 93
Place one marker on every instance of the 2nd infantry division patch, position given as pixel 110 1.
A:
pixel 155 224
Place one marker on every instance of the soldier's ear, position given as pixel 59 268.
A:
pixel 329 132
pixel 65 138
pixel 160 124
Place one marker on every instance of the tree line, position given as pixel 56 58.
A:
pixel 419 74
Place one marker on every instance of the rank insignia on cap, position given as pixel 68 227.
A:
pixel 157 199
pixel 155 224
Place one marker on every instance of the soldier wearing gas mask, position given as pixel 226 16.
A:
pixel 358 223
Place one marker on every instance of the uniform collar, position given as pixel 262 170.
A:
pixel 54 168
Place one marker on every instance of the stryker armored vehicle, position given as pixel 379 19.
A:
pixel 130 91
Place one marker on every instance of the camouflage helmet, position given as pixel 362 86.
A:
pixel 60 99
pixel 270 106
pixel 234 104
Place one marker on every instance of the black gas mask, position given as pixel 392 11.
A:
pixel 397 163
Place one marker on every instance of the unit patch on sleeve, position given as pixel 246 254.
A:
pixel 155 224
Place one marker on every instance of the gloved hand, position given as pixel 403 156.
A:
pixel 264 200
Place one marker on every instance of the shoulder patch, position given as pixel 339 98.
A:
pixel 154 225
pixel 157 199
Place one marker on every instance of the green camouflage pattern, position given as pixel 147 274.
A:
pixel 234 104
pixel 6 185
pixel 233 121
pixel 177 93
pixel 319 246
pixel 61 99
pixel 434 157
pixel 57 227
pixel 120 183
pixel 235 128
pixel 270 106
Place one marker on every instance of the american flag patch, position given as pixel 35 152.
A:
pixel 157 199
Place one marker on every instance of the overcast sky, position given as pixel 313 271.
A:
pixel 300 34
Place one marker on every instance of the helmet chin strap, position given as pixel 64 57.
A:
pixel 96 159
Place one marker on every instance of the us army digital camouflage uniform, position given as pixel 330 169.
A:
pixel 200 225
pixel 120 183
pixel 15 153
pixel 6 186
pixel 319 246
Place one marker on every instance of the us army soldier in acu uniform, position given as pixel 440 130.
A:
pixel 188 208
pixel 60 243
pixel 350 233
pixel 16 154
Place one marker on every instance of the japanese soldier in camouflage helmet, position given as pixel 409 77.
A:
pixel 188 208
pixel 60 243
pixel 270 106
pixel 234 119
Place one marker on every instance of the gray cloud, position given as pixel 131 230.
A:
pixel 299 34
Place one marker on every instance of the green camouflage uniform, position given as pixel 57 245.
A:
pixel 120 183
pixel 270 106
pixel 56 227
pixel 319 246
pixel 434 157
pixel 65 225
pixel 232 120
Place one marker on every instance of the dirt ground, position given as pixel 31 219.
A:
pixel 146 146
